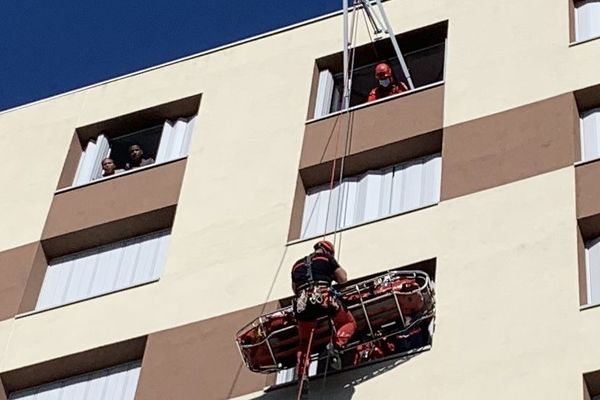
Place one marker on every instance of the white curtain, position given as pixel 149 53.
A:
pixel 593 271
pixel 590 135
pixel 288 375
pixel 115 383
pixel 103 269
pixel 175 139
pixel 90 167
pixel 324 94
pixel 587 19
pixel 373 195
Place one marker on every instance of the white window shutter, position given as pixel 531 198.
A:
pixel 590 134
pixel 411 189
pixel 350 196
pixel 324 93
pixel 432 179
pixel 164 147
pixel 189 130
pixel 175 139
pixel 593 271
pixel 587 19
pixel 86 164
pixel 102 151
pixel 103 270
pixel 115 383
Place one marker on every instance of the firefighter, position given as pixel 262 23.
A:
pixel 312 277
pixel 387 85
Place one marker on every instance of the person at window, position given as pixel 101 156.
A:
pixel 386 84
pixel 136 157
pixel 312 277
pixel 109 167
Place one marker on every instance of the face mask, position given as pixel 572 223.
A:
pixel 384 82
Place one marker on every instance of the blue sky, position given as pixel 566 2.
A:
pixel 50 47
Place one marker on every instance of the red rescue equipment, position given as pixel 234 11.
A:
pixel 391 310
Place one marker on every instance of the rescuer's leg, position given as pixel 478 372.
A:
pixel 345 325
pixel 305 332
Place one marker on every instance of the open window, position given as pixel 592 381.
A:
pixel 104 269
pixel 587 19
pixel 160 143
pixel 424 53
pixel 373 195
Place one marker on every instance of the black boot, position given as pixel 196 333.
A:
pixel 304 394
pixel 335 359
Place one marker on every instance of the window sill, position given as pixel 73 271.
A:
pixel 116 176
pixel 33 312
pixel 373 103
pixel 584 162
pixel 309 238
pixel 588 306
pixel 578 42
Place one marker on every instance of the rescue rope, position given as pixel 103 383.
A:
pixel 306 363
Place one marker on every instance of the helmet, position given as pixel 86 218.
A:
pixel 325 245
pixel 382 71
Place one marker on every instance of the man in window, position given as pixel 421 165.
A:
pixel 136 157
pixel 109 167
pixel 311 281
pixel 386 84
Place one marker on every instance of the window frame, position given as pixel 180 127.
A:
pixel 393 167
pixel 158 234
pixel 576 32
pixel 589 244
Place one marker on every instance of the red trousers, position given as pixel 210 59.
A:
pixel 345 325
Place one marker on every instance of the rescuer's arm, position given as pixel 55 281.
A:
pixel 340 275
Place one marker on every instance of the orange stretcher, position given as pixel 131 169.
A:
pixel 393 312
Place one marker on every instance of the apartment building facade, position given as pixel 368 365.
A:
pixel 133 286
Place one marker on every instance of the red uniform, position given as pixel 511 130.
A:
pixel 380 92
pixel 312 277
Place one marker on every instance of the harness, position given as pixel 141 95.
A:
pixel 316 293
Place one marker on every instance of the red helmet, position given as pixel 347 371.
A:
pixel 382 71
pixel 325 245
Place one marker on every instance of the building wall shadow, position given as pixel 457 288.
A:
pixel 337 386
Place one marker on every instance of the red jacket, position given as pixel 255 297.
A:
pixel 381 92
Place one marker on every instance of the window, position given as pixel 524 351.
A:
pixel 587 19
pixel 375 194
pixel 592 261
pixel 103 269
pixel 115 383
pixel 590 135
pixel 423 51
pixel 160 143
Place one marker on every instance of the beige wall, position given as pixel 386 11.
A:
pixel 228 241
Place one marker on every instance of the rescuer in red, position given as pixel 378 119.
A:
pixel 387 85
pixel 312 277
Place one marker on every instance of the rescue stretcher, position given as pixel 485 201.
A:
pixel 393 312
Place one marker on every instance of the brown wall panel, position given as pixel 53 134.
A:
pixel 110 232
pixel 203 358
pixel 582 270
pixel 16 266
pixel 34 281
pixel 587 177
pixel 114 199
pixel 509 146
pixel 74 364
pixel 373 126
